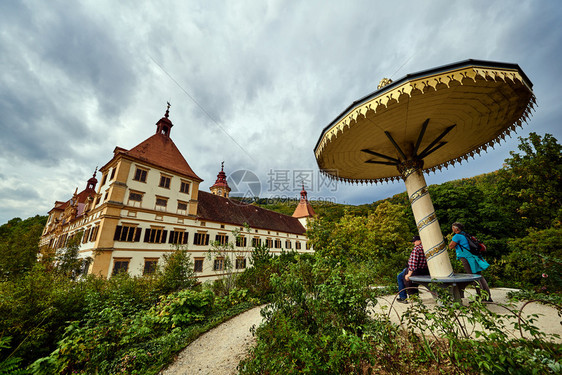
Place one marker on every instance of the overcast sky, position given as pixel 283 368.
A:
pixel 251 83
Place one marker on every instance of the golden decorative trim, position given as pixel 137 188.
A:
pixel 427 221
pixel 435 250
pixel 418 194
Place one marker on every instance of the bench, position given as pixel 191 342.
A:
pixel 455 283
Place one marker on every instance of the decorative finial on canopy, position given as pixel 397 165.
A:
pixel 384 82
pixel 168 110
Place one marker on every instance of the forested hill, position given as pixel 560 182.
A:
pixel 336 210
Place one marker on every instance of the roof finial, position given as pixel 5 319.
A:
pixel 222 166
pixel 168 110
pixel 95 171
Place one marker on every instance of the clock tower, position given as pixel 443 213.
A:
pixel 221 186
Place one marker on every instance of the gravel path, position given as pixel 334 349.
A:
pixel 218 351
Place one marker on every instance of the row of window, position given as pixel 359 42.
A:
pixel 165 180
pixel 161 203
pixel 91 234
pixel 151 264
pixel 127 233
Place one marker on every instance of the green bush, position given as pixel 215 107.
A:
pixel 534 261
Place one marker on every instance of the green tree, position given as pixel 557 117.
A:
pixel 177 271
pixel 529 186
pixel 67 261
pixel 19 245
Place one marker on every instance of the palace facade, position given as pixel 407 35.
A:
pixel 148 203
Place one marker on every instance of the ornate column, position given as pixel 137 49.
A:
pixel 433 243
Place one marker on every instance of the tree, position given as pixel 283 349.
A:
pixel 380 235
pixel 19 245
pixel 226 259
pixel 529 186
pixel 67 262
pixel 177 271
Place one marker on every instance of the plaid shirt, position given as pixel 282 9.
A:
pixel 417 259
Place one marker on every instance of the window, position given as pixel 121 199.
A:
pixel 150 265
pixel 178 237
pixel 240 263
pixel 152 235
pixel 269 243
pixel 222 239
pixel 98 199
pixel 85 267
pixel 182 208
pixel 94 233
pixel 307 246
pixel 219 264
pixel 241 241
pixel 112 174
pixel 201 239
pixel 127 233
pixel 161 204
pixel 120 266
pixel 198 264
pixel 105 196
pixel 184 187
pixel 103 179
pixel 164 182
pixel 63 240
pixel 277 244
pixel 287 244
pixel 86 235
pixel 140 175
pixel 298 245
pixel 256 242
pixel 135 199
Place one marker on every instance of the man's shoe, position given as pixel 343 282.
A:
pixel 402 300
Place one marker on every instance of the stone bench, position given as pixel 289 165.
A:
pixel 455 283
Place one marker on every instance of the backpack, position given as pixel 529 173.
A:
pixel 474 246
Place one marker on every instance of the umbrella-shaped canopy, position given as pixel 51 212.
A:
pixel 438 116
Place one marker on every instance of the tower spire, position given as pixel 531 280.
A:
pixel 164 125
pixel 304 208
pixel 221 185
pixel 93 180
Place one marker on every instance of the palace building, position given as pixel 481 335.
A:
pixel 148 203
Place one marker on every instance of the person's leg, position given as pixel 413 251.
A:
pixel 401 283
pixel 467 269
pixel 484 284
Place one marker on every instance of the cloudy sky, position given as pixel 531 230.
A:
pixel 251 83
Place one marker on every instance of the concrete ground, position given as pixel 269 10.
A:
pixel 548 320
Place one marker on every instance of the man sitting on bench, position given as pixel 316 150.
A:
pixel 417 265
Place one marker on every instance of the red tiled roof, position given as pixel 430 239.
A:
pixel 304 209
pixel 216 208
pixel 161 151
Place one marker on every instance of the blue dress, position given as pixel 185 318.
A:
pixel 476 264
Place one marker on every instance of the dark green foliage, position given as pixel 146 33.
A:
pixel 115 339
pixel 19 245
pixel 533 262
pixel 318 323
pixel 257 279
pixel 177 272
pixel 529 187
pixel 315 323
